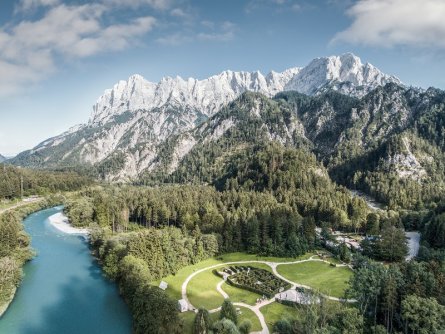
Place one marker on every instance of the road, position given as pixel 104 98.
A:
pixel 22 203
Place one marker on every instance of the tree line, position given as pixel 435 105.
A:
pixel 16 181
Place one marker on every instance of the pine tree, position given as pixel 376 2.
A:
pixel 228 312
pixel 202 323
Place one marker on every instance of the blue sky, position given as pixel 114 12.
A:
pixel 58 56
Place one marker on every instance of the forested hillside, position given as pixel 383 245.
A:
pixel 258 177
pixel 388 144
pixel 15 247
pixel 14 180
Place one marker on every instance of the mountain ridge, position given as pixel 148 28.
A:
pixel 131 121
pixel 345 73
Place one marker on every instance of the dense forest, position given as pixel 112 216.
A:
pixel 397 157
pixel 268 203
pixel 263 187
pixel 14 242
pixel 15 245
pixel 15 182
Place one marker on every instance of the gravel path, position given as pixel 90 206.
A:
pixel 22 203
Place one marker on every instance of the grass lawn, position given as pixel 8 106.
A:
pixel 201 291
pixel 319 275
pixel 276 311
pixel 238 295
pixel 175 281
pixel 246 314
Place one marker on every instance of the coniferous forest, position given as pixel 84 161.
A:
pixel 267 196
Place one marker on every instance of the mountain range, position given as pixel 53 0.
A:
pixel 366 127
pixel 136 116
pixel 2 158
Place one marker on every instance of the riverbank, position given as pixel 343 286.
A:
pixel 24 202
pixel 60 222
pixel 19 205
pixel 5 306
pixel 63 288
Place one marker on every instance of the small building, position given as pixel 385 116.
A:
pixel 182 305
pixel 163 285
pixel 297 296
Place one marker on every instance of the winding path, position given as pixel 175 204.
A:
pixel 23 202
pixel 256 308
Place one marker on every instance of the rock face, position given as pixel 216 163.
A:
pixel 134 123
pixel 345 74
pixel 206 96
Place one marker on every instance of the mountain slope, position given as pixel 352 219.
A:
pixel 2 158
pixel 381 143
pixel 133 123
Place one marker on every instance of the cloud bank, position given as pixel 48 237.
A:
pixel 32 49
pixel 390 23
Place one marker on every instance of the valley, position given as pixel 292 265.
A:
pixel 224 205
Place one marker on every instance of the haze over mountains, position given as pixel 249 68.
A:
pixel 133 120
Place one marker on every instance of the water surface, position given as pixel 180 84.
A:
pixel 63 291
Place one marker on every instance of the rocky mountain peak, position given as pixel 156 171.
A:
pixel 345 73
pixel 137 121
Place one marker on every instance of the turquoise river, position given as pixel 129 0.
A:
pixel 63 290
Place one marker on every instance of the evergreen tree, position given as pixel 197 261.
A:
pixel 225 326
pixel 228 311
pixel 423 315
pixel 245 326
pixel 202 323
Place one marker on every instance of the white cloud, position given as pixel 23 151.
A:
pixel 212 31
pixel 30 49
pixel 178 12
pixel 295 7
pixel 278 6
pixel 225 32
pixel 157 4
pixel 391 23
pixel 27 5
pixel 174 39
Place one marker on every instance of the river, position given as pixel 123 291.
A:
pixel 63 290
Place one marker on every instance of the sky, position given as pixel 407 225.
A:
pixel 58 56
